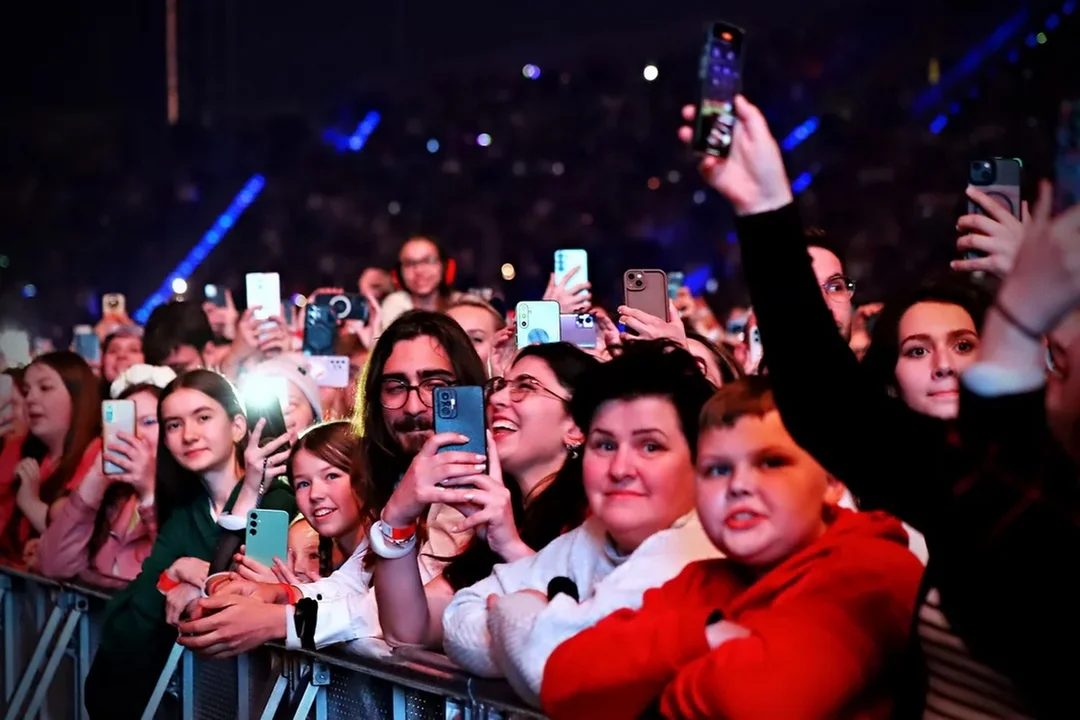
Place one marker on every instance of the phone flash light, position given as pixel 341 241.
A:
pixel 726 36
pixel 261 390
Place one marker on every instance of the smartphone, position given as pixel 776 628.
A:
pixel 7 389
pixel 116 416
pixel 537 322
pixel 113 304
pixel 265 397
pixel 567 260
pixel 346 306
pixel 267 536
pixel 86 343
pixel 647 290
pixel 1000 179
pixel 720 76
pixel 461 409
pixel 329 371
pixel 264 291
pixel 578 329
pixel 15 347
pixel 675 280
pixel 215 294
pixel 320 330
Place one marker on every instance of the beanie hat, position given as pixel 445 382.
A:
pixel 295 369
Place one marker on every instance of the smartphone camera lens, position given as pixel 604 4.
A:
pixel 254 532
pixel 254 516
pixel 340 305
pixel 982 172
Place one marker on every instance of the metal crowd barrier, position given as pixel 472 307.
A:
pixel 50 630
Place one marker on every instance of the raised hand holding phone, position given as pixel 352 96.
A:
pixel 488 509
pixel 424 483
pixel 992 236
pixel 752 177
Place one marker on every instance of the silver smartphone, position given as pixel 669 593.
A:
pixel 116 416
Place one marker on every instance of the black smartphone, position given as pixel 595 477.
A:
pixel 215 294
pixel 1000 179
pixel 320 330
pixel 264 397
pixel 720 75
pixel 461 409
pixel 345 306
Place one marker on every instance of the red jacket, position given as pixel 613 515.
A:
pixel 828 627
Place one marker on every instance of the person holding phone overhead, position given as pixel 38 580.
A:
pixel 203 474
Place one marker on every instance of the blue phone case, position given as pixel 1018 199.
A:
pixel 461 409
pixel 267 536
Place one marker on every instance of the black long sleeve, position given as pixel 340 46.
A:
pixel 887 455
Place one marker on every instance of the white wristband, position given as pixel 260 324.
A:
pixel 384 548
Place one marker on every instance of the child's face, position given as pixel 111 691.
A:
pixel 760 496
pixel 304 551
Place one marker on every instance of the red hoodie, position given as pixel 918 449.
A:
pixel 827 629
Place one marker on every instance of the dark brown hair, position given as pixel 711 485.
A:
pixel 751 396
pixel 334 443
pixel 379 460
pixel 82 385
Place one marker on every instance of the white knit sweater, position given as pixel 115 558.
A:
pixel 515 639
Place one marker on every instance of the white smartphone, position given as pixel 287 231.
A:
pixel 537 322
pixel 15 348
pixel 264 291
pixel 329 371
pixel 116 416
pixel 566 261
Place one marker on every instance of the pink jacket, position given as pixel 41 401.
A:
pixel 64 552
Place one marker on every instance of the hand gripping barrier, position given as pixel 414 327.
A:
pixel 50 629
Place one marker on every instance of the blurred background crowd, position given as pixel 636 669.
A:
pixel 505 140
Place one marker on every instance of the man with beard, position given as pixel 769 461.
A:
pixel 420 351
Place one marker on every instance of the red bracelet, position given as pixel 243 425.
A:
pixel 166 583
pixel 397 534
pixel 292 593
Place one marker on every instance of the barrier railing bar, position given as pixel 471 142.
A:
pixel 187 686
pixel 163 681
pixel 82 665
pixel 55 617
pixel 7 608
pixel 76 607
pixel 408 669
pixel 278 668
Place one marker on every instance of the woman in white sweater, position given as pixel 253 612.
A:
pixel 639 414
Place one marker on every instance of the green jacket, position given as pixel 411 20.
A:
pixel 136 616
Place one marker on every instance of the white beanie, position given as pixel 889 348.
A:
pixel 296 370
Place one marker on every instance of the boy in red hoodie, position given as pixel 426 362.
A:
pixel 806 617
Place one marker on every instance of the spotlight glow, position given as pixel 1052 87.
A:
pixel 650 73
pixel 508 271
pixel 483 140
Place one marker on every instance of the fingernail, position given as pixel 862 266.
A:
pixel 479 466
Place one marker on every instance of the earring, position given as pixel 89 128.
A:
pixel 574 451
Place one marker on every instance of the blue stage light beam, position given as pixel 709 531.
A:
pixel 804 130
pixel 355 141
pixel 970 62
pixel 1007 31
pixel 209 241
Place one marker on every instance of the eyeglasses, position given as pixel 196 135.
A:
pixel 520 388
pixel 838 288
pixel 419 262
pixel 395 393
